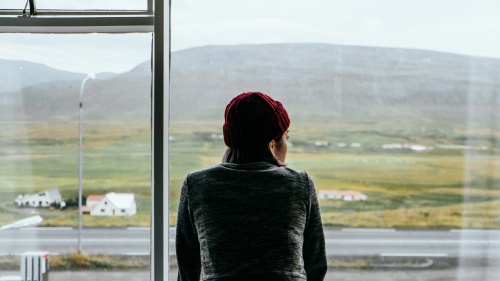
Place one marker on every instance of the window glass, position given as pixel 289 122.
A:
pixel 80 5
pixel 46 79
pixel 394 113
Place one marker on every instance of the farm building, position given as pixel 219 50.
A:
pixel 92 201
pixel 45 198
pixel 348 195
pixel 111 204
pixel 321 143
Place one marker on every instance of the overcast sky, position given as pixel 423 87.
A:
pixel 457 26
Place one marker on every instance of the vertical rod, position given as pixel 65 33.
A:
pixel 80 168
pixel 150 7
pixel 157 234
pixel 160 119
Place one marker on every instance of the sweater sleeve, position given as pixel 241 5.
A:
pixel 186 241
pixel 314 239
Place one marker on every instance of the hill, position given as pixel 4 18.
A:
pixel 314 79
pixel 15 74
pixel 331 77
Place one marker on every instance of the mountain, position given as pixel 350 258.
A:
pixel 35 91
pixel 15 74
pixel 322 79
pixel 332 76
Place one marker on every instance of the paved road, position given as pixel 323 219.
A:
pixel 339 241
pixel 462 244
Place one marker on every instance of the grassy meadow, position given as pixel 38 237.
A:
pixel 37 156
pixel 405 189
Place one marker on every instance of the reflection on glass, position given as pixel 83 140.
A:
pixel 398 137
pixel 39 151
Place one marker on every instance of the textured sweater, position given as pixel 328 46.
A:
pixel 249 222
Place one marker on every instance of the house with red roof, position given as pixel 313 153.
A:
pixel 111 204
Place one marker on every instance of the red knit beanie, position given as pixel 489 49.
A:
pixel 253 119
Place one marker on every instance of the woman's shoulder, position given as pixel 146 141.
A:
pixel 258 169
pixel 204 172
pixel 295 172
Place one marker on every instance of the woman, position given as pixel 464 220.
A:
pixel 251 218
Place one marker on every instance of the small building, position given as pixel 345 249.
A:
pixel 345 195
pixel 111 204
pixel 392 146
pixel 47 198
pixel 356 145
pixel 92 201
pixel 321 143
pixel 421 147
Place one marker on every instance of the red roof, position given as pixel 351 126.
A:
pixel 96 198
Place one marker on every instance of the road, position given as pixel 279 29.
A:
pixel 339 242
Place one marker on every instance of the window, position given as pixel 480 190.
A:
pixel 390 102
pixel 67 53
pixel 394 108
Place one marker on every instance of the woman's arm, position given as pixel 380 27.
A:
pixel 314 239
pixel 186 241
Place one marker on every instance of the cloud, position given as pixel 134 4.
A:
pixel 426 24
pixel 79 52
pixel 457 26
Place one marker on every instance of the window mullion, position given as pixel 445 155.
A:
pixel 76 24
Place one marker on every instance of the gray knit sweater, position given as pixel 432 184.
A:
pixel 249 222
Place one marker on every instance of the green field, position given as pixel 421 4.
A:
pixel 407 189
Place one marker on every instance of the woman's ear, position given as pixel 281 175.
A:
pixel 271 145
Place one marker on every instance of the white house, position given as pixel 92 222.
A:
pixel 111 204
pixel 321 143
pixel 348 195
pixel 42 199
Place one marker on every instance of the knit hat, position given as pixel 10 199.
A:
pixel 253 119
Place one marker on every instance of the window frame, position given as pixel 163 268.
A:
pixel 155 19
pixel 19 12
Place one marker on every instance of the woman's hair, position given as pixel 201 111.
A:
pixel 261 153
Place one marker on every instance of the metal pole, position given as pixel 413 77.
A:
pixel 160 177
pixel 80 137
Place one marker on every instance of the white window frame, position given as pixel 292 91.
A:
pixel 155 19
